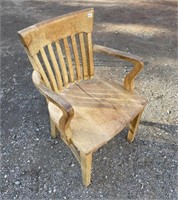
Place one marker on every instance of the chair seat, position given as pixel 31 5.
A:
pixel 101 110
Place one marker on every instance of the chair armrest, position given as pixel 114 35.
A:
pixel 138 64
pixel 53 97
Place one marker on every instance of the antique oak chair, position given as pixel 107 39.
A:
pixel 87 112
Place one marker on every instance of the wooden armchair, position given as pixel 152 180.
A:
pixel 86 111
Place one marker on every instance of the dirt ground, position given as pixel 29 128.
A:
pixel 34 166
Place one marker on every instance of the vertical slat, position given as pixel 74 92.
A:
pixel 42 72
pixel 90 55
pixel 62 62
pixel 84 59
pixel 49 70
pixel 69 60
pixel 77 62
pixel 56 67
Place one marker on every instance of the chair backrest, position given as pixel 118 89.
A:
pixel 60 49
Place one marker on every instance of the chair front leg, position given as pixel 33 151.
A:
pixel 53 129
pixel 133 127
pixel 86 165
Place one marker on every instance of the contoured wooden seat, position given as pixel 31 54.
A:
pixel 86 111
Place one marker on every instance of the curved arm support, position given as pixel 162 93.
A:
pixel 59 101
pixel 138 64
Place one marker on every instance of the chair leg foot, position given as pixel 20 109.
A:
pixel 86 165
pixel 133 127
pixel 53 129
